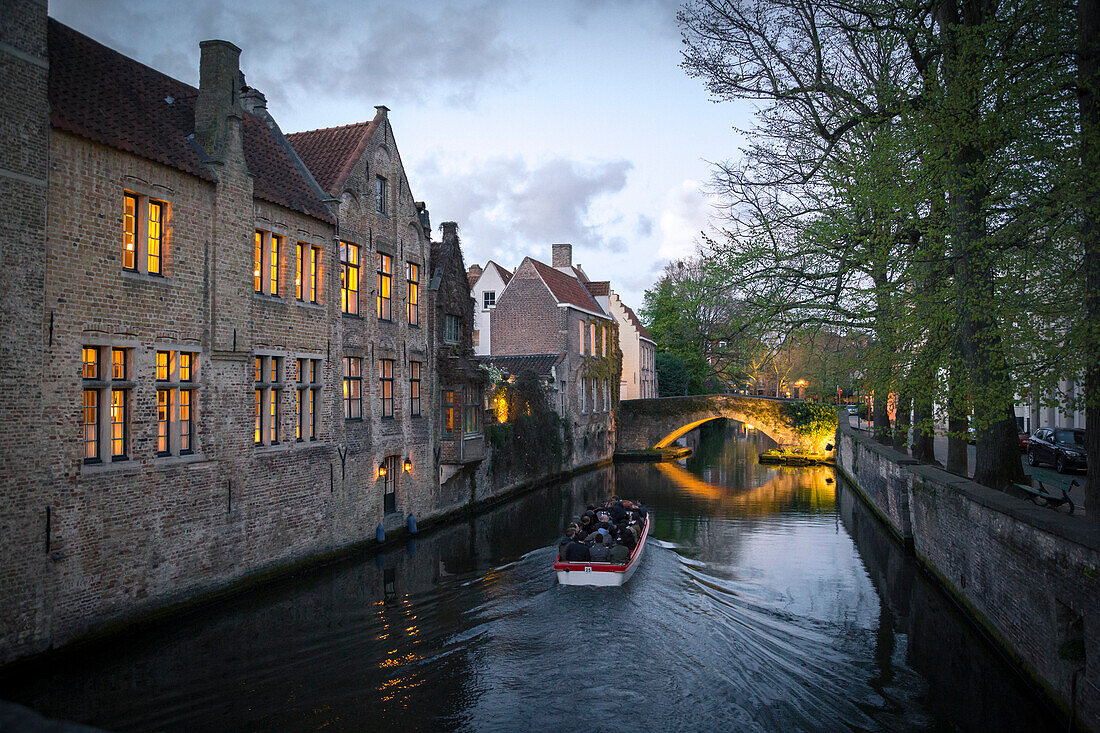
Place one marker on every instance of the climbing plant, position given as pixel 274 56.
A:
pixel 529 439
pixel 811 420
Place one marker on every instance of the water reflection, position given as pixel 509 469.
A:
pixel 768 600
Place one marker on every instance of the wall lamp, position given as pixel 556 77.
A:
pixel 408 465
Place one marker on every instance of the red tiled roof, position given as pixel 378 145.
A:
pixel 598 287
pixel 331 153
pixel 505 275
pixel 99 94
pixel 636 322
pixel 567 289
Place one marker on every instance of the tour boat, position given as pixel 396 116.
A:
pixel 602 573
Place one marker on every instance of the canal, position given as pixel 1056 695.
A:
pixel 768 599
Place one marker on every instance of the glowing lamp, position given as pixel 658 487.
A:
pixel 408 465
pixel 381 470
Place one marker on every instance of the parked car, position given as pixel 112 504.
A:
pixel 853 409
pixel 1063 448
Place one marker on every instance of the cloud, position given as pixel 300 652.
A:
pixel 384 52
pixel 507 206
pixel 684 215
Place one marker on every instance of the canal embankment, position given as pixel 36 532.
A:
pixel 1027 575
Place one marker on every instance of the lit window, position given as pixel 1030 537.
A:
pixel 268 393
pixel 353 406
pixel 448 414
pixel 91 425
pixel 349 278
pixel 174 423
pixel 385 281
pixel 266 251
pixel 300 263
pixel 118 364
pixel 185 421
pixel 119 427
pixel 414 388
pixel 143 233
pixel 91 362
pixel 314 280
pixel 412 271
pixel 452 329
pixel 306 272
pixel 163 366
pixel 164 408
pixel 592 338
pixel 581 324
pixel 490 299
pixel 385 386
pixel 389 483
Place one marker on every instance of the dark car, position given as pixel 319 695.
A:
pixel 1063 448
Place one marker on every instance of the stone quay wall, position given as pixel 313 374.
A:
pixel 1028 575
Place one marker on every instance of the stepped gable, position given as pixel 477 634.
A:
pixel 566 289
pixel 636 322
pixel 331 153
pixel 99 94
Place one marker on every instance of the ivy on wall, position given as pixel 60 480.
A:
pixel 530 439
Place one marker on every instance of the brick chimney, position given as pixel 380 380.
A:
pixel 450 231
pixel 219 92
pixel 562 255
pixel 474 271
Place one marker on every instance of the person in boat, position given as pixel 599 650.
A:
pixel 600 551
pixel 576 551
pixel 619 553
pixel 570 535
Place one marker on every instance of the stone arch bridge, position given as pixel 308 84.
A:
pixel 656 423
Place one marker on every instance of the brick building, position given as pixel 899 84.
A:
pixel 547 310
pixel 461 436
pixel 203 386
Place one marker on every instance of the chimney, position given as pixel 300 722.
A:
pixel 383 110
pixel 474 270
pixel 252 100
pixel 450 231
pixel 219 77
pixel 562 255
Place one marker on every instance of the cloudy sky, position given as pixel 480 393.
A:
pixel 527 123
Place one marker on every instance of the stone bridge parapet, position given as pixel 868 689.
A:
pixel 656 423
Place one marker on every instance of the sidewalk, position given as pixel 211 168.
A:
pixel 1050 478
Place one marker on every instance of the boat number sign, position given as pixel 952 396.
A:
pixel 587 569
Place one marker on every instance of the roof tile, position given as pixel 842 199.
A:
pixel 567 289
pixel 331 153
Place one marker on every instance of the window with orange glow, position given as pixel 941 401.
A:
pixel 385 283
pixel 349 278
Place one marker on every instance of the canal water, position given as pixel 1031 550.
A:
pixel 768 599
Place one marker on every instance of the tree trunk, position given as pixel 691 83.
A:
pixel 957 422
pixel 901 422
pixel 1088 76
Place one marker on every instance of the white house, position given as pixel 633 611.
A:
pixel 486 285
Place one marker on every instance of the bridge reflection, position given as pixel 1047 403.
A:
pixel 809 488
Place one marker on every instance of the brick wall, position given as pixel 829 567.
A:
pixel 1029 575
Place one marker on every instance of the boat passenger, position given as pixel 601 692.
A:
pixel 620 553
pixel 600 552
pixel 576 551
pixel 570 534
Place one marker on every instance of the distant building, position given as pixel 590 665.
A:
pixel 460 403
pixel 548 310
pixel 639 380
pixel 486 285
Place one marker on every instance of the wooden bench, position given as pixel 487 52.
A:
pixel 1049 499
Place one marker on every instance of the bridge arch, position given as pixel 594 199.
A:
pixel 656 423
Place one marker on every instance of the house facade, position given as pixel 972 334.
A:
pixel 486 285
pixel 460 407
pixel 212 337
pixel 639 379
pixel 548 310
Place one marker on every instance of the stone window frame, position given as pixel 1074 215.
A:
pixel 104 383
pixel 350 270
pixel 307 399
pixel 415 371
pixel 381 197
pixel 178 377
pixel 384 277
pixel 385 388
pixel 584 395
pixel 308 272
pixel 353 378
pixel 412 293
pixel 580 323
pixel 452 329
pixel 269 371
pixel 392 465
pixel 138 229
pixel 268 259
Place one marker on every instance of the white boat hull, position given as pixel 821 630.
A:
pixel 602 573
